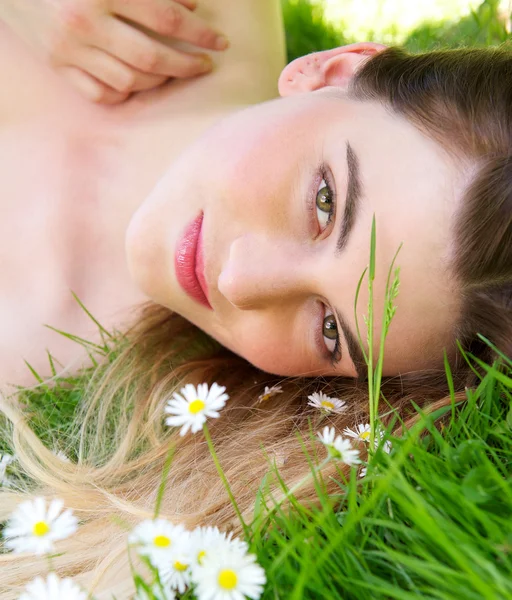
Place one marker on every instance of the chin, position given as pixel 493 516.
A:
pixel 143 257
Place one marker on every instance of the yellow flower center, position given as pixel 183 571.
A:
pixel 200 556
pixel 364 435
pixel 227 579
pixel 196 406
pixel 180 566
pixel 327 404
pixel 162 541
pixel 41 528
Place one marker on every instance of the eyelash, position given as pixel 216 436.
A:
pixel 312 207
pixel 335 355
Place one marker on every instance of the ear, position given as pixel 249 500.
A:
pixel 328 68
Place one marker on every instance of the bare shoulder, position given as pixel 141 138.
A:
pixel 248 71
pixel 256 31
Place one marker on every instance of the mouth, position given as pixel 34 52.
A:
pixel 189 262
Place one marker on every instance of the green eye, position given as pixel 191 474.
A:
pixel 324 198
pixel 330 329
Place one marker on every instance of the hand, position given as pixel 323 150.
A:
pixel 106 48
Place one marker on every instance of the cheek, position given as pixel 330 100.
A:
pixel 270 351
pixel 253 180
pixel 254 166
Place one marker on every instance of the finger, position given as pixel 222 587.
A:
pixel 90 88
pixel 113 72
pixel 150 56
pixel 190 4
pixel 146 81
pixel 106 68
pixel 171 19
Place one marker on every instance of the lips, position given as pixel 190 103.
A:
pixel 189 262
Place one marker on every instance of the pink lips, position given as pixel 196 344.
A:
pixel 189 262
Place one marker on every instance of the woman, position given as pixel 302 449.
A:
pixel 85 168
pixel 421 141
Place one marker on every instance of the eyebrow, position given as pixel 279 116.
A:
pixel 352 204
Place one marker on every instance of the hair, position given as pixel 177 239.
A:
pixel 461 98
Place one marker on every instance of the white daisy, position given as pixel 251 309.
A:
pixel 159 540
pixel 362 432
pixel 193 405
pixel 387 446
pixel 327 436
pixel 156 593
pixel 34 528
pixel 5 461
pixel 175 572
pixel 53 588
pixel 326 403
pixel 229 574
pixel 208 539
pixel 270 392
pixel 339 448
pixel 363 471
pixel 342 450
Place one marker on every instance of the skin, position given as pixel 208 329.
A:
pixel 108 49
pixel 272 271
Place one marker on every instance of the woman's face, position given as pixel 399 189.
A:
pixel 288 190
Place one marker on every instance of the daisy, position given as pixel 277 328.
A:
pixel 363 471
pixel 342 450
pixel 159 540
pixel 387 447
pixel 327 436
pixel 325 403
pixel 208 539
pixel 229 574
pixel 193 405
pixel 53 588
pixel 175 572
pixel 34 528
pixel 270 392
pixel 5 461
pixel 339 448
pixel 362 432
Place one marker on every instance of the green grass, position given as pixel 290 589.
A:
pixel 433 519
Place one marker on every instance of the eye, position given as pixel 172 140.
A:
pixel 331 336
pixel 321 202
pixel 324 202
pixel 322 209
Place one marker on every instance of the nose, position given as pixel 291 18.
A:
pixel 261 270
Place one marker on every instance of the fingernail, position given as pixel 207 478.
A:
pixel 221 43
pixel 206 63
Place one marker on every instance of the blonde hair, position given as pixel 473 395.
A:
pixel 120 442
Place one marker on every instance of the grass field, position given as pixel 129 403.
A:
pixel 431 520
